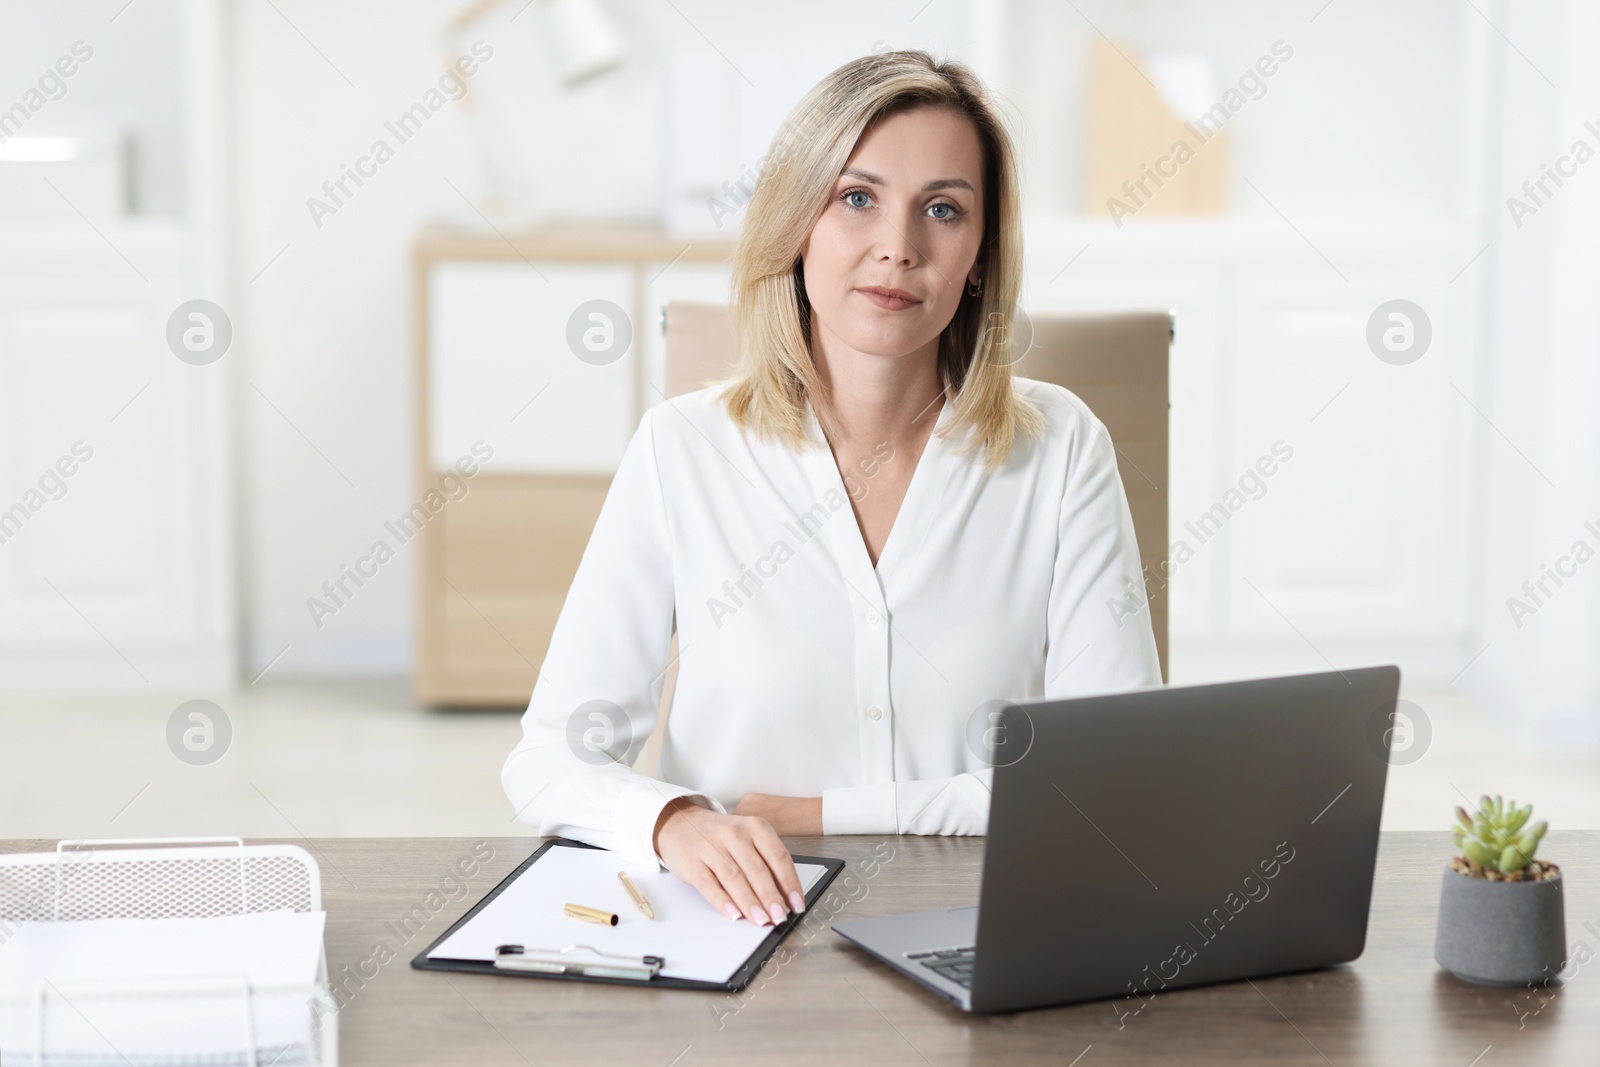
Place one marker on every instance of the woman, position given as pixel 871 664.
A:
pixel 869 534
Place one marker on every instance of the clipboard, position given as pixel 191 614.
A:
pixel 609 969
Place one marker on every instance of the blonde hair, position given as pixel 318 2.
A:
pixel 771 314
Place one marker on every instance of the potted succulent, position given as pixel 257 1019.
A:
pixel 1502 920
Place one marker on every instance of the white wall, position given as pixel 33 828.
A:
pixel 1359 123
pixel 134 83
pixel 324 331
pixel 1541 458
pixel 1375 126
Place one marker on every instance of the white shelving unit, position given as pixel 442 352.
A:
pixel 1360 548
pixel 122 577
pixel 1349 551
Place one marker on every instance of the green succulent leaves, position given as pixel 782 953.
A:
pixel 1494 837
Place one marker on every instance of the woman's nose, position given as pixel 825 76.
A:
pixel 894 240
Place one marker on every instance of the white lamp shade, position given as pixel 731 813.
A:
pixel 585 39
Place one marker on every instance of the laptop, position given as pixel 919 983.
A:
pixel 1146 841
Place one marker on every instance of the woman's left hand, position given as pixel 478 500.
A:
pixel 798 816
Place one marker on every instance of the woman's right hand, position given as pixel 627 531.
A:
pixel 737 862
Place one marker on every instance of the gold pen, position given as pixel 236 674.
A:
pixel 591 915
pixel 638 897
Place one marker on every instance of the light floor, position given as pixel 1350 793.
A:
pixel 359 758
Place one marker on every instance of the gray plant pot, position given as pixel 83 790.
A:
pixel 1501 933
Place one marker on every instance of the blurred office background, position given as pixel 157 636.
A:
pixel 372 312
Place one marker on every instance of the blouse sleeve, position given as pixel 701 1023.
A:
pixel 598 693
pixel 1099 640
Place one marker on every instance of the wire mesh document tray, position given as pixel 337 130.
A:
pixel 165 878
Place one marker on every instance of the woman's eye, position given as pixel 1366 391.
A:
pixel 947 212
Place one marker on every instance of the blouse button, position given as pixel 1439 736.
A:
pixel 874 713
pixel 874 618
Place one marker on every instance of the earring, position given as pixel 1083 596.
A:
pixel 975 291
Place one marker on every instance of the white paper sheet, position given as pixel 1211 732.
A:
pixel 696 941
pixel 84 961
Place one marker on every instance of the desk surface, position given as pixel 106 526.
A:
pixel 820 1002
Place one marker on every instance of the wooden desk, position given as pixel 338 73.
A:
pixel 822 1002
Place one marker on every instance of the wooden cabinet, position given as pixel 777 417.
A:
pixel 502 371
pixel 502 365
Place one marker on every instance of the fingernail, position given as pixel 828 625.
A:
pixel 777 913
pixel 733 912
pixel 798 901
pixel 757 916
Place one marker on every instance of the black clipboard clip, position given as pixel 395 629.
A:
pixel 577 959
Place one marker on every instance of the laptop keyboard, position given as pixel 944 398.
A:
pixel 954 964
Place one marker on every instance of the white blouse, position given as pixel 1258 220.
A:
pixel 804 670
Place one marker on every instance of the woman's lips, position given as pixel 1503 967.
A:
pixel 889 299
